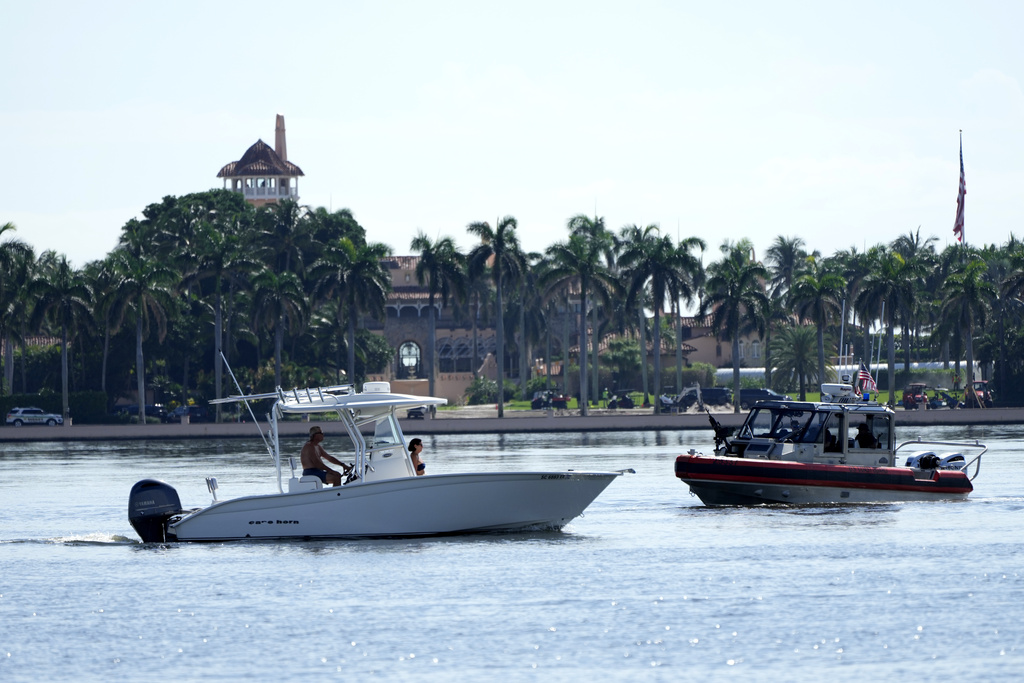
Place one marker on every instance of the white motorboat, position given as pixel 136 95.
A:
pixel 840 450
pixel 382 497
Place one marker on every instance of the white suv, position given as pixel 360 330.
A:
pixel 32 416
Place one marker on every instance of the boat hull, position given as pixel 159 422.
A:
pixel 415 506
pixel 720 480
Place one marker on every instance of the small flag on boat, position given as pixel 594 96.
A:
pixel 958 225
pixel 866 381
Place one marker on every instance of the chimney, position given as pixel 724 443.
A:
pixel 279 145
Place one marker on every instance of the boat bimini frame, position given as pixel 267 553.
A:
pixel 375 405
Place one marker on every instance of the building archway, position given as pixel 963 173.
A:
pixel 410 361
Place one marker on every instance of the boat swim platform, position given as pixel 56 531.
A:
pixel 483 420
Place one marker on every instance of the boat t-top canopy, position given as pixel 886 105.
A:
pixel 376 404
pixel 336 398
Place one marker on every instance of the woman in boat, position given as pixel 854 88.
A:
pixel 415 448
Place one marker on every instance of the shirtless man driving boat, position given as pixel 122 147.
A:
pixel 313 456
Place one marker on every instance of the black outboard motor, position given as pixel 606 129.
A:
pixel 150 504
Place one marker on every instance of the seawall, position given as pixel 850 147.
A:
pixel 456 423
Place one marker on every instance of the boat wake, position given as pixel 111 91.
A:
pixel 83 539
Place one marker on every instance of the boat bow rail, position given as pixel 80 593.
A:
pixel 975 461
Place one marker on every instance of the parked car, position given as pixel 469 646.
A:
pixel 156 410
pixel 716 396
pixel 417 413
pixel 32 416
pixel 712 396
pixel 749 397
pixel 548 399
pixel 195 414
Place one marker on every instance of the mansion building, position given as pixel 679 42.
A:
pixel 265 176
pixel 406 328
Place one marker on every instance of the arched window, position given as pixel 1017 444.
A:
pixel 755 349
pixel 742 350
pixel 409 361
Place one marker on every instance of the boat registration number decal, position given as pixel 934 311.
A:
pixel 556 476
pixel 273 521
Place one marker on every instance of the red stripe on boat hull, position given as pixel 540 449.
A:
pixel 775 481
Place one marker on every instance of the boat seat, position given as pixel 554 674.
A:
pixel 308 482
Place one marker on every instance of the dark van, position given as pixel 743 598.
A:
pixel 749 397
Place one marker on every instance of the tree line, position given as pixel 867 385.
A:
pixel 284 292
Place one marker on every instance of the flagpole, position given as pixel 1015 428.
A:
pixel 879 361
pixel 842 329
pixel 958 224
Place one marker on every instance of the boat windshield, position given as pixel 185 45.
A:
pixel 814 433
pixel 778 423
pixel 385 433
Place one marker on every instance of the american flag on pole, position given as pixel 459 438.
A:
pixel 958 225
pixel 866 381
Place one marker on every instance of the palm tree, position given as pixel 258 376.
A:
pixel 795 356
pixel 817 296
pixel 786 259
pixel 284 237
pixel 891 285
pixel 1005 309
pixel 529 306
pixel 579 261
pixel 685 290
pixel 478 303
pixel 967 295
pixel 777 316
pixel 14 259
pixel 548 314
pixel 499 245
pixel 219 257
pixel 277 298
pixel 593 229
pixel 736 300
pixel 355 275
pixel 855 267
pixel 24 273
pixel 653 261
pixel 920 253
pixel 440 268
pixel 143 287
pixel 1012 289
pixel 633 234
pixel 62 292
pixel 369 293
pixel 101 280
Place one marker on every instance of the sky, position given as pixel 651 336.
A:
pixel 836 124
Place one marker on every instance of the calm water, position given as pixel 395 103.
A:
pixel 649 584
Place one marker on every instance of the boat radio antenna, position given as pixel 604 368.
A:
pixel 244 399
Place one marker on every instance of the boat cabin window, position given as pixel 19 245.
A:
pixel 777 423
pixel 759 423
pixel 831 436
pixel 823 428
pixel 869 431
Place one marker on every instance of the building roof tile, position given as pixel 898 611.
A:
pixel 259 160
